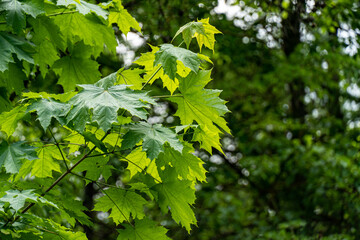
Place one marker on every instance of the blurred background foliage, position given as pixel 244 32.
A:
pixel 289 70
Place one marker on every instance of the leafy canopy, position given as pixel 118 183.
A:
pixel 96 119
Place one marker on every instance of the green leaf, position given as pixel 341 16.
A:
pixel 209 137
pixel 11 156
pixel 9 120
pixel 187 165
pixel 189 30
pixel 104 104
pixel 13 79
pixel 18 198
pixel 122 203
pixel 9 45
pixel 131 77
pixel 154 137
pixel 48 39
pixel 74 137
pixel 44 166
pixel 84 7
pixel 198 104
pixel 15 11
pixel 168 55
pixel 76 27
pixel 94 167
pixel 144 229
pixel 137 162
pixel 47 109
pixel 178 196
pixel 74 209
pixel 62 97
pixel 5 104
pixel 202 30
pixel 122 18
pixel 90 137
pixel 147 60
pixel 208 39
pixel 77 68
pixel 142 187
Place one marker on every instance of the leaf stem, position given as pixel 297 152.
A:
pixel 57 145
pixel 60 13
pixel 151 77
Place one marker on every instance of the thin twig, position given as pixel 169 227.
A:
pixel 57 145
pixel 62 176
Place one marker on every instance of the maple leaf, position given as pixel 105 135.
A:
pixel 147 60
pixel 168 55
pixel 76 27
pixel 11 156
pixel 131 77
pixel 17 76
pixel 122 203
pixel 9 120
pixel 18 198
pixel 45 164
pixel 84 7
pixel 122 18
pixel 201 30
pixel 138 162
pixel 198 104
pixel 178 196
pixel 95 167
pixel 144 229
pixel 15 11
pixel 5 104
pixel 72 210
pixel 209 137
pixel 47 109
pixel 154 137
pixel 48 39
pixel 187 165
pixel 105 102
pixel 77 68
pixel 10 44
pixel 62 97
pixel 208 39
pixel 189 30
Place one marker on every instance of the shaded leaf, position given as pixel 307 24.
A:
pixel 11 156
pixel 10 44
pixel 84 7
pixel 47 109
pixel 122 203
pixel 168 55
pixel 178 196
pixel 105 103
pixel 144 229
pixel 154 137
pixel 122 18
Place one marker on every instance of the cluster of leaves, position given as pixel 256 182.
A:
pixel 292 86
pixel 96 122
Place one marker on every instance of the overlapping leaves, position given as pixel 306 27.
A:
pixel 161 163
pixel 105 103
